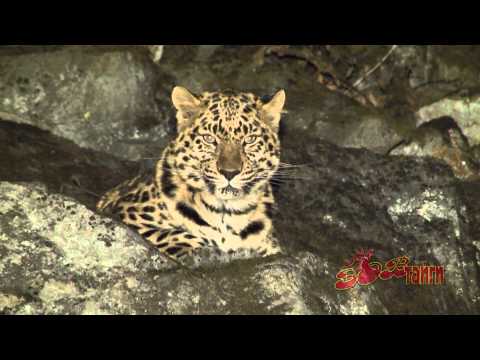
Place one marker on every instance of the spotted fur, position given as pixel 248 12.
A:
pixel 211 187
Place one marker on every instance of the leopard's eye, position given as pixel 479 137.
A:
pixel 209 139
pixel 250 139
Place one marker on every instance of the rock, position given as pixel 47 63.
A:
pixel 328 115
pixel 115 100
pixel 205 52
pixel 353 199
pixel 341 122
pixel 455 64
pixel 421 75
pixel 413 76
pixel 34 155
pixel 101 98
pixel 466 113
pixel 59 257
pixel 156 52
pixel 443 139
pixel 48 243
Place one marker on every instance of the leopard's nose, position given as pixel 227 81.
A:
pixel 229 175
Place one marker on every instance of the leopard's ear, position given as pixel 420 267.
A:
pixel 272 111
pixel 188 106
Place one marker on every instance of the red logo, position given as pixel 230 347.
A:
pixel 361 270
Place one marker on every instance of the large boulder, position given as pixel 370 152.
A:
pixel 101 98
pixel 58 257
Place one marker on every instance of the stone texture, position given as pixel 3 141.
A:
pixel 116 100
pixel 466 113
pixel 443 139
pixel 68 139
pixel 102 99
pixel 58 257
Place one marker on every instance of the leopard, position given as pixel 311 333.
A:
pixel 211 187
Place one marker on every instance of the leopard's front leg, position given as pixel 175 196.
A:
pixel 174 242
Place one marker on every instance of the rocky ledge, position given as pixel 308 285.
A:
pixel 58 257
pixel 64 128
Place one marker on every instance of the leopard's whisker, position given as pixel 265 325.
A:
pixel 286 165
pixel 282 179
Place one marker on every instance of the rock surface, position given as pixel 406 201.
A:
pixel 466 113
pixel 100 98
pixel 443 139
pixel 57 256
pixel 116 100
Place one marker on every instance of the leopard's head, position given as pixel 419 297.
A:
pixel 227 143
